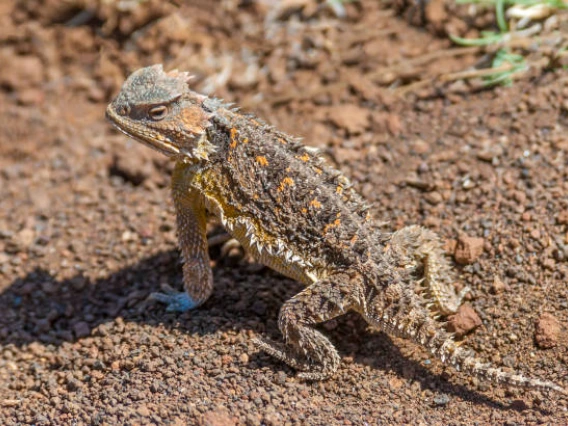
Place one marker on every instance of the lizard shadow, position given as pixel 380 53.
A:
pixel 382 353
pixel 40 308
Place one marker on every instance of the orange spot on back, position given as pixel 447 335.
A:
pixel 332 225
pixel 305 157
pixel 260 159
pixel 233 143
pixel 287 181
pixel 338 189
pixel 315 203
pixel 317 170
pixel 281 140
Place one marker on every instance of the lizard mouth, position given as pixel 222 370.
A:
pixel 151 139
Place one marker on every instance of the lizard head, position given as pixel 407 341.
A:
pixel 158 109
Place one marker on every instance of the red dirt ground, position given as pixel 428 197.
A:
pixel 86 224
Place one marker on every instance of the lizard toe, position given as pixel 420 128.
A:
pixel 176 301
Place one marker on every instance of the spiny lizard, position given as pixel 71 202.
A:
pixel 299 216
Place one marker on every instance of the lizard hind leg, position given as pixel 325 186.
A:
pixel 423 247
pixel 306 348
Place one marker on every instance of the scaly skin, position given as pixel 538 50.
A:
pixel 297 215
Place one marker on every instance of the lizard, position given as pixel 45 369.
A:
pixel 298 215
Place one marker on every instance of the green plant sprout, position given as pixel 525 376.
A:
pixel 487 38
pixel 512 18
pixel 503 59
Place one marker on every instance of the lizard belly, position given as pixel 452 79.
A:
pixel 265 248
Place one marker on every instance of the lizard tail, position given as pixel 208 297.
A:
pixel 408 319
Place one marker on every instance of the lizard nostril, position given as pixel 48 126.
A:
pixel 123 110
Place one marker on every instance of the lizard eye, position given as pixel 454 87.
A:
pixel 157 113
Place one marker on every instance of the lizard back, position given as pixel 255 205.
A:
pixel 280 199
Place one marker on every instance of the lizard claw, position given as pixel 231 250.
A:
pixel 176 301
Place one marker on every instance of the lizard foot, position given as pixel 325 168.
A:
pixel 177 301
pixel 308 371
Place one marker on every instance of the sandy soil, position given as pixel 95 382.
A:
pixel 86 224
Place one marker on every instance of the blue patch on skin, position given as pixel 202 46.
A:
pixel 177 302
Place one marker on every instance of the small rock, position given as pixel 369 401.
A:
pixel 520 197
pixel 281 378
pixel 436 13
pixel 73 384
pixel 394 126
pixel 547 331
pixel 287 8
pixel 562 218
pixel 549 264
pixel 30 96
pixel 81 329
pixel 143 411
pixel 352 118
pixel 245 77
pixel 25 237
pixel 433 197
pixel 128 236
pixel 346 154
pixel 243 358
pixel 4 258
pixel 450 245
pixel 441 400
pixel 468 249
pixel 219 417
pixel 10 402
pixel 491 151
pixel 21 72
pixel 498 285
pixel 420 146
pixel 463 321
pixel 259 308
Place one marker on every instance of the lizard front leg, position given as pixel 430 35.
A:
pixel 305 347
pixel 192 239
